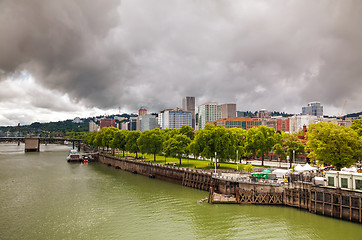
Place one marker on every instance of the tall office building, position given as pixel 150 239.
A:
pixel 174 118
pixel 188 104
pixel 147 122
pixel 228 110
pixel 208 112
pixel 93 126
pixel 313 108
pixel 107 122
pixel 133 123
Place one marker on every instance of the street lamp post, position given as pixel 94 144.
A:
pixel 237 164
pixel 215 162
pixel 293 156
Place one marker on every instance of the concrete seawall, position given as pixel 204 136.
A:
pixel 187 177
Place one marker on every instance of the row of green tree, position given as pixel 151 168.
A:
pixel 328 143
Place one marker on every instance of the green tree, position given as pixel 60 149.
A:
pixel 119 140
pixel 97 142
pixel 260 141
pixel 150 142
pixel 239 136
pixel 177 146
pixel 194 148
pixel 279 147
pixel 108 134
pixel 131 142
pixel 187 131
pixel 248 168
pixel 89 138
pixel 357 126
pixel 293 146
pixel 335 145
pixel 217 139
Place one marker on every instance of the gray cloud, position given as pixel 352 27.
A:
pixel 277 55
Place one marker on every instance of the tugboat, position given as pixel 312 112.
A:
pixel 73 156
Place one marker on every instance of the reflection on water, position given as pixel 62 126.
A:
pixel 44 197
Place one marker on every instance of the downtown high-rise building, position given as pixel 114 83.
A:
pixel 188 104
pixel 208 112
pixel 228 110
pixel 313 108
pixel 174 118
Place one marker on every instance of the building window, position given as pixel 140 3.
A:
pixel 358 184
pixel 344 182
pixel 331 181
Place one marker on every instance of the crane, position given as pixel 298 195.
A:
pixel 344 105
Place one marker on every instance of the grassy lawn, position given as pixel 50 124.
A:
pixel 190 163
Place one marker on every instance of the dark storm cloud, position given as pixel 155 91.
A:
pixel 262 54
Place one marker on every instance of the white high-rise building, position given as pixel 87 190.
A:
pixel 297 122
pixel 208 112
pixel 175 118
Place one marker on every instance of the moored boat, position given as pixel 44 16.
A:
pixel 73 156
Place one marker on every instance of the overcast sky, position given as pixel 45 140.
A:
pixel 62 59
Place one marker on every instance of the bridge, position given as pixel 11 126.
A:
pixel 32 144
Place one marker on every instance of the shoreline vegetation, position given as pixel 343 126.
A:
pixel 189 162
pixel 325 144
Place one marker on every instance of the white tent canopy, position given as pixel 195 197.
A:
pixel 351 169
pixel 280 173
pixel 299 168
pixel 308 167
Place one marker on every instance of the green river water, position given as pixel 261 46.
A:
pixel 44 197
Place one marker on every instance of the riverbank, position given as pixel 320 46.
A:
pixel 335 203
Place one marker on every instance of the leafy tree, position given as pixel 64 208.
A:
pixel 131 142
pixel 240 141
pixel 119 140
pixel 108 134
pixel 260 141
pixel 357 126
pixel 97 142
pixel 177 146
pixel 293 146
pixel 248 168
pixel 194 148
pixel 89 138
pixel 279 147
pixel 213 139
pixel 168 133
pixel 187 131
pixel 150 142
pixel 332 144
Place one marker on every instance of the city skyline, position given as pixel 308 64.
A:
pixel 62 59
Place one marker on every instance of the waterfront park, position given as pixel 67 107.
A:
pixel 325 144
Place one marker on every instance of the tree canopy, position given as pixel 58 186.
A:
pixel 131 142
pixel 177 146
pixel 150 142
pixel 333 144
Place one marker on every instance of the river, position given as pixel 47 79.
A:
pixel 44 197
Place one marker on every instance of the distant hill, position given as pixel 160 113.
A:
pixel 60 127
pixel 353 114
